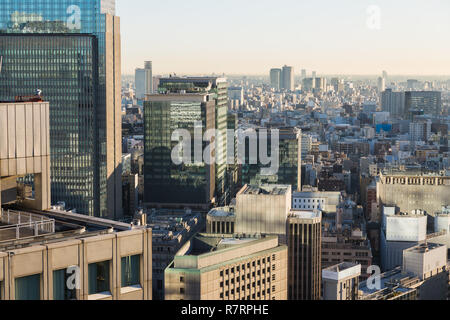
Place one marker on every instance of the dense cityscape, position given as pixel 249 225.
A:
pixel 287 185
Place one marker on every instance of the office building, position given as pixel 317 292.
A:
pixel 144 80
pixel 289 153
pixel 85 142
pixel 218 88
pixel 304 231
pixel 341 282
pixel 275 78
pixel 410 191
pixel 422 102
pixel 287 78
pixel 47 254
pixel 323 201
pixel 400 231
pixel 303 74
pixel 263 210
pixel 393 102
pixel 37 263
pixel 188 181
pixel 228 268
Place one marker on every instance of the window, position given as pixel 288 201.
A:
pixel 28 288
pixel 131 271
pixel 182 279
pixel 221 273
pixel 61 289
pixel 98 276
pixel 181 290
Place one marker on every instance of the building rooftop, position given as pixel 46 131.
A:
pixel 305 214
pixel 21 228
pixel 276 190
pixel 424 248
pixel 222 212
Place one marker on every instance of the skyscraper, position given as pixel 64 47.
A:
pixel 167 183
pixel 287 78
pixel 275 78
pixel 218 87
pixel 144 80
pixel 81 82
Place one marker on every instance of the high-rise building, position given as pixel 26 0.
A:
pixel 423 102
pixel 263 210
pixel 218 87
pixel 287 78
pixel 275 78
pixel 393 102
pixel 381 84
pixel 82 83
pixel 180 183
pixel 144 80
pixel 304 231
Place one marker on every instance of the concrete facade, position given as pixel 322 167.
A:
pixel 228 269
pixel 412 191
pixel 263 209
pixel 78 249
pixel 25 149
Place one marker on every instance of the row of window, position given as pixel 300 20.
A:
pixel 65 281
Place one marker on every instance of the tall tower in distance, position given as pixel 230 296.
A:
pixel 144 80
pixel 287 77
pixel 275 78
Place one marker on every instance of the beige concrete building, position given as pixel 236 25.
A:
pixel 25 150
pixel 228 268
pixel 263 210
pixel 341 282
pixel 66 256
pixel 412 191
pixel 304 231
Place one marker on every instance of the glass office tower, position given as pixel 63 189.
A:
pixel 168 183
pixel 218 87
pixel 54 18
pixel 64 67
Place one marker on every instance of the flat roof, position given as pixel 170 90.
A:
pixel 221 212
pixel 266 190
pixel 305 214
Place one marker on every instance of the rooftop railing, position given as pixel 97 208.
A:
pixel 15 225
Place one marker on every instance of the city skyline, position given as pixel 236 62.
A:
pixel 346 39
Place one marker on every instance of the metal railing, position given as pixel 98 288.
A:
pixel 20 225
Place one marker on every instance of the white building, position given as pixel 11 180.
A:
pixel 324 201
pixel 144 80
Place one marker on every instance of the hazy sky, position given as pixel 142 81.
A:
pixel 251 36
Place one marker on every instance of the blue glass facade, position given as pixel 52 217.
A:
pixel 96 18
